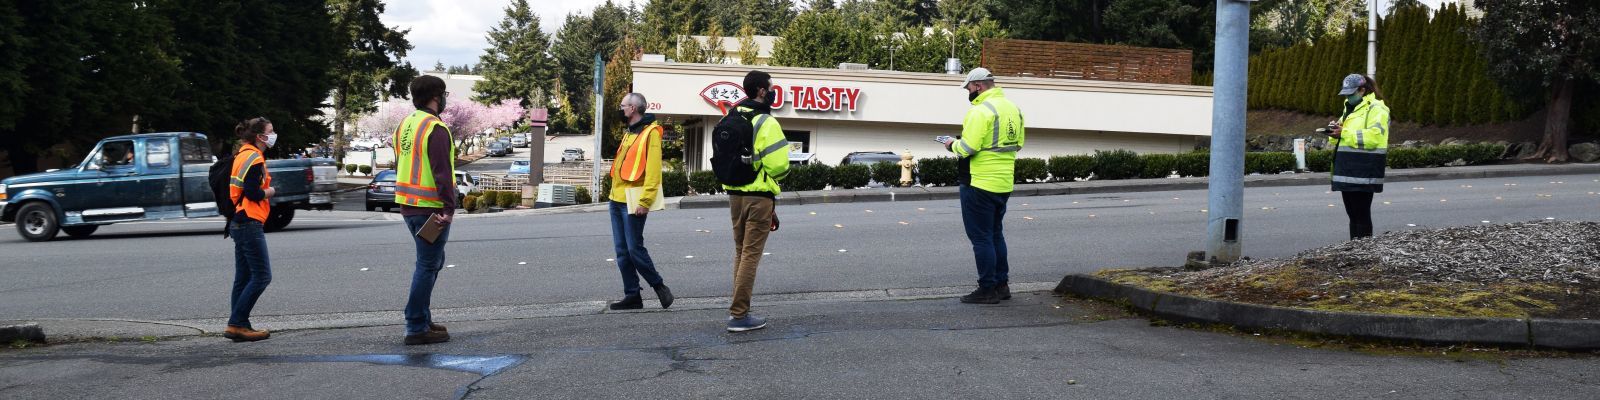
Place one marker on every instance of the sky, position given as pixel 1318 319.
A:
pixel 453 31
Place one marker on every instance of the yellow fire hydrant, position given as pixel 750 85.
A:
pixel 905 168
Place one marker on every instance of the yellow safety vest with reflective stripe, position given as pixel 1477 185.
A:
pixel 414 185
pixel 249 156
pixel 991 135
pixel 1363 146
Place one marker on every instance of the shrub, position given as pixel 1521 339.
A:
pixel 1268 162
pixel 674 184
pixel 1405 158
pixel 338 167
pixel 605 185
pixel 366 170
pixel 1068 168
pixel 349 169
pixel 886 172
pixel 704 182
pixel 509 199
pixel 469 203
pixel 1031 170
pixel 1117 164
pixel 941 171
pixel 1483 153
pixel 582 195
pixel 850 176
pixel 1158 165
pixel 1319 160
pixel 808 177
pixel 1438 156
pixel 1194 164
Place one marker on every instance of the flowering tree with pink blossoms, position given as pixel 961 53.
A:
pixel 465 117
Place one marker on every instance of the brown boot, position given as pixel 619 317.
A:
pixel 238 334
pixel 437 328
pixel 429 337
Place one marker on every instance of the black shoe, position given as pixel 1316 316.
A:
pixel 632 302
pixel 665 295
pixel 982 296
pixel 1003 291
pixel 428 337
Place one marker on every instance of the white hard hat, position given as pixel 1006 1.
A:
pixel 977 74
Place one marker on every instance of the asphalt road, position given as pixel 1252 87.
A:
pixel 357 261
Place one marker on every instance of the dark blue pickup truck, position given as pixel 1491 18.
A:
pixel 148 177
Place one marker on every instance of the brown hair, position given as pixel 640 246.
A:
pixel 1371 85
pixel 247 130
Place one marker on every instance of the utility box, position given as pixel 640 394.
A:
pixel 551 195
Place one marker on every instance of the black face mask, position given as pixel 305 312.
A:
pixel 771 97
pixel 441 104
pixel 972 96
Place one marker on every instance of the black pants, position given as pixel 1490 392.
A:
pixel 1358 205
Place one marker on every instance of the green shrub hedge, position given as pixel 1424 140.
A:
pixel 1031 170
pixel 1268 162
pixel 1319 160
pixel 674 184
pixel 605 187
pixel 850 176
pixel 366 170
pixel 807 177
pixel 469 203
pixel 1117 164
pixel 886 172
pixel 704 182
pixel 1158 165
pixel 1406 158
pixel 509 199
pixel 1196 163
pixel 939 171
pixel 582 195
pixel 1069 168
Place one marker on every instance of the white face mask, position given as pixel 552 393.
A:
pixel 272 139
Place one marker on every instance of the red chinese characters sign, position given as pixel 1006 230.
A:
pixel 724 95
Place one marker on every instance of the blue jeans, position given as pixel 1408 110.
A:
pixel 251 270
pixel 430 259
pixel 627 235
pixel 981 213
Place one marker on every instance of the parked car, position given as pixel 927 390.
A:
pixel 571 154
pixel 497 149
pixel 146 177
pixel 519 141
pixel 380 192
pixel 869 158
pixel 507 143
pixel 518 167
pixel 465 183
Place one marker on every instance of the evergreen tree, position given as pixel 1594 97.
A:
pixel 371 68
pixel 1543 49
pixel 749 51
pixel 517 64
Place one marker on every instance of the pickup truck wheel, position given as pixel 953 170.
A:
pixel 36 222
pixel 279 219
pixel 371 207
pixel 80 231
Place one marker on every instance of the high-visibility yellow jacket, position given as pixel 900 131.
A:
pixel 638 163
pixel 1363 147
pixel 991 135
pixel 414 185
pixel 771 148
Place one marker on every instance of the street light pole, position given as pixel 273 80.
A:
pixel 1225 205
pixel 599 117
pixel 1372 38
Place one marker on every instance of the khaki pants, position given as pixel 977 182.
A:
pixel 752 221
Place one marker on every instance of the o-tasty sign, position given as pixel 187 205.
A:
pixel 811 98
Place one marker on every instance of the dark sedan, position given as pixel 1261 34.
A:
pixel 498 149
pixel 380 193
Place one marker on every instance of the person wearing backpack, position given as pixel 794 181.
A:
pixel 250 192
pixel 991 135
pixel 635 190
pixel 749 156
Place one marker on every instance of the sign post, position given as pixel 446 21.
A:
pixel 599 117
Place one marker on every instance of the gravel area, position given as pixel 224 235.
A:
pixel 1535 252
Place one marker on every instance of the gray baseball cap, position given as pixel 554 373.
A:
pixel 1351 82
pixel 977 74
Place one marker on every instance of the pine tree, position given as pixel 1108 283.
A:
pixel 749 51
pixel 517 65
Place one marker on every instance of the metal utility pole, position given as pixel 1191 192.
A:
pixel 1225 210
pixel 599 117
pixel 1372 38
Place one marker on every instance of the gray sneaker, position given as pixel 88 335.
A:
pixel 748 323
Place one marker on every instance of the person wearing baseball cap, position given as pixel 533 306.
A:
pixel 991 135
pixel 1361 136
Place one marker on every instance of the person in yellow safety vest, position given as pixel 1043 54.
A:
pixel 752 205
pixel 991 135
pixel 426 191
pixel 636 172
pixel 250 189
pixel 1360 155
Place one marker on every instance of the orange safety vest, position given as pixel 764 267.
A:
pixel 632 157
pixel 249 156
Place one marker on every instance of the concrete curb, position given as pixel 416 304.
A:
pixel 1510 332
pixel 27 332
pixel 1147 185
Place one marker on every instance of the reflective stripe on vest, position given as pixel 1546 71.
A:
pixel 634 157
pixel 414 184
pixel 1358 181
pixel 994 141
pixel 256 210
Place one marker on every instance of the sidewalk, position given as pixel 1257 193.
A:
pixel 1036 346
pixel 871 195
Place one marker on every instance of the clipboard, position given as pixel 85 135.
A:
pixel 634 193
pixel 430 230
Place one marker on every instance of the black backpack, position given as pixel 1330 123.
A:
pixel 221 173
pixel 732 149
